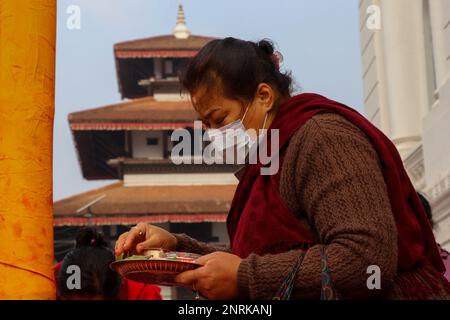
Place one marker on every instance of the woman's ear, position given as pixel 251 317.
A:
pixel 265 97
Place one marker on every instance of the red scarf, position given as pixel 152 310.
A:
pixel 259 222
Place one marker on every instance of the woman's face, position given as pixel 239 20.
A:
pixel 216 111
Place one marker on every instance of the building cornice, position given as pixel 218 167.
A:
pixel 414 165
pixel 440 197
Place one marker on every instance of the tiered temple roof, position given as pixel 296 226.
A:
pixel 102 138
pixel 153 204
pixel 137 114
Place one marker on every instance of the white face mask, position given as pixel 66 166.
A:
pixel 233 136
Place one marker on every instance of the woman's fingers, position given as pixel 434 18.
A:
pixel 192 276
pixel 128 240
pixel 133 237
pixel 148 244
pixel 204 259
pixel 119 243
pixel 143 237
pixel 188 277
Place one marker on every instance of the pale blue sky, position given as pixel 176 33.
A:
pixel 319 40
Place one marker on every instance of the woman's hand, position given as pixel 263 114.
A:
pixel 143 237
pixel 217 278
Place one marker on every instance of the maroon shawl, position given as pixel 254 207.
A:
pixel 258 221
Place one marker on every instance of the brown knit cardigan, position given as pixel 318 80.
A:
pixel 332 180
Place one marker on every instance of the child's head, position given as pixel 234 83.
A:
pixel 89 261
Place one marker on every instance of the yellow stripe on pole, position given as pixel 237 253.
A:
pixel 27 73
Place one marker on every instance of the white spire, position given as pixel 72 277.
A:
pixel 181 31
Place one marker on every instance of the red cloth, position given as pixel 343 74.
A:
pixel 259 222
pixel 130 290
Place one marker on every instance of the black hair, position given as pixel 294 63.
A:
pixel 92 255
pixel 427 207
pixel 236 68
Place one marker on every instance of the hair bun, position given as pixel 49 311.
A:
pixel 89 237
pixel 266 46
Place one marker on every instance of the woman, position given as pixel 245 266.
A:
pixel 340 206
pixel 97 281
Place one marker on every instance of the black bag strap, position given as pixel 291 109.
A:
pixel 285 290
pixel 328 291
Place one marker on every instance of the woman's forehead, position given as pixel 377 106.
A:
pixel 203 100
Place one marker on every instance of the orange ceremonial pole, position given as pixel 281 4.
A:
pixel 27 73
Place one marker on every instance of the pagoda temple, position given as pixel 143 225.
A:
pixel 129 142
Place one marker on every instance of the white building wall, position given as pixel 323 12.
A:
pixel 445 5
pixel 436 136
pixel 140 147
pixel 406 74
pixel 219 229
pixel 178 179
pixel 164 96
pixel 370 60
